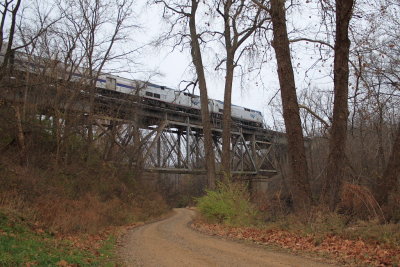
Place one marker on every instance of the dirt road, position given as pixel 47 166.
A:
pixel 171 242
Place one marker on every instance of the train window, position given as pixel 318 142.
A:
pixel 162 87
pixel 246 109
pixel 149 94
pixel 157 95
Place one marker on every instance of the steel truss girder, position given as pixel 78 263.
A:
pixel 180 147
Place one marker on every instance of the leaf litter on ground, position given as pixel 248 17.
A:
pixel 342 249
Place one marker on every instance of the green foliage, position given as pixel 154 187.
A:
pixel 107 252
pixel 229 204
pixel 19 245
pixel 183 201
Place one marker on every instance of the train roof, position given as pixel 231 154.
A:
pixel 79 72
pixel 222 102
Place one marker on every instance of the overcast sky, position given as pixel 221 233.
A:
pixel 174 66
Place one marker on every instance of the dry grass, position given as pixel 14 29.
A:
pixel 77 199
pixel 359 216
pixel 12 200
pixel 87 214
pixel 359 202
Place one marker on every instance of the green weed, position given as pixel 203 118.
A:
pixel 229 204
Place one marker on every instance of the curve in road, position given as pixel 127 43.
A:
pixel 172 242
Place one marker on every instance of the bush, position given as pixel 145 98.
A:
pixel 229 204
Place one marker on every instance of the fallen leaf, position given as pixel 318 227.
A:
pixel 62 263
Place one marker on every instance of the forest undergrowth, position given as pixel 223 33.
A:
pixel 348 238
pixel 69 215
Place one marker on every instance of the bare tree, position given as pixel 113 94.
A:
pixel 300 186
pixel 14 39
pixel 14 12
pixel 186 12
pixel 390 179
pixel 338 132
pixel 381 81
pixel 241 20
pixel 205 114
pixel 100 24
pixel 25 37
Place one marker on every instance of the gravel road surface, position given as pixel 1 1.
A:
pixel 171 242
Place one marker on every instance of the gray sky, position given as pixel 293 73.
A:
pixel 175 66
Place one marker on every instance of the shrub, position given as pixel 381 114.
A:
pixel 229 204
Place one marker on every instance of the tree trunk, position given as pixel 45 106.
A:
pixel 227 118
pixel 57 134
pixel 300 187
pixel 110 142
pixel 227 114
pixel 205 114
pixel 381 149
pixel 391 175
pixel 337 142
pixel 21 137
pixel 90 122
pixel 9 51
pixel 67 146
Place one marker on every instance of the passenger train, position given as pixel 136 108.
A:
pixel 168 97
pixel 151 93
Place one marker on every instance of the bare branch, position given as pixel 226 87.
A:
pixel 315 115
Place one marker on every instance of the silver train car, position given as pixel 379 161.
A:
pixel 150 93
pixel 168 97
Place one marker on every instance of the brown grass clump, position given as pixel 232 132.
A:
pixel 87 214
pixel 359 201
pixel 11 200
